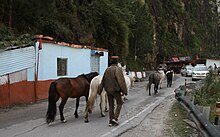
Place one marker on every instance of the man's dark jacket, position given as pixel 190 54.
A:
pixel 113 80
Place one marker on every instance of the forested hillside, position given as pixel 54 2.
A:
pixel 142 32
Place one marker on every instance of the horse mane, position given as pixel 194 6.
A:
pixel 90 76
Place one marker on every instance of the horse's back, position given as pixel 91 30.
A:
pixel 72 82
pixel 63 83
pixel 96 81
pixel 72 87
pixel 154 78
pixel 95 84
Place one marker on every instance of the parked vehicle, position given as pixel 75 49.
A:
pixel 200 72
pixel 186 70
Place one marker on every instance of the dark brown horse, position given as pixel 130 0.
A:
pixel 154 78
pixel 65 88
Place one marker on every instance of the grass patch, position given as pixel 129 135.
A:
pixel 177 126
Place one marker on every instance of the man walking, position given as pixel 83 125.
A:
pixel 114 83
pixel 169 75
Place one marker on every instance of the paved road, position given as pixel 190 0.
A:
pixel 29 121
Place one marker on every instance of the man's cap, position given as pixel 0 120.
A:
pixel 114 57
pixel 114 60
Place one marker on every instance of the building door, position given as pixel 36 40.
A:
pixel 95 60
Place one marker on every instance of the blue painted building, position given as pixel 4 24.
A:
pixel 26 73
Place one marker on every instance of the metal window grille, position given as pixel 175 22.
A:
pixel 61 66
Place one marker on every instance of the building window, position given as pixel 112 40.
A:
pixel 61 66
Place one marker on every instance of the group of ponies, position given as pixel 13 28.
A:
pixel 87 85
pixel 65 88
pixel 83 85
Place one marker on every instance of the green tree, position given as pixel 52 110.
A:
pixel 143 33
pixel 141 36
pixel 108 23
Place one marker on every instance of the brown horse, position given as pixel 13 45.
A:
pixel 154 78
pixel 65 88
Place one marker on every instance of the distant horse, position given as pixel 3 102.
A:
pixel 155 79
pixel 94 85
pixel 132 80
pixel 64 88
pixel 162 76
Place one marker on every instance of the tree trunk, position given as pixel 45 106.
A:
pixel 10 15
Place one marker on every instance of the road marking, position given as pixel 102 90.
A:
pixel 138 114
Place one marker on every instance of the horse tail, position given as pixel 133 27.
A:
pixel 92 94
pixel 148 86
pixel 90 102
pixel 52 99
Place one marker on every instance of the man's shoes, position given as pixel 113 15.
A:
pixel 115 122
pixel 110 124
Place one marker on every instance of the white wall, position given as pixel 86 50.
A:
pixel 103 63
pixel 78 61
pixel 210 62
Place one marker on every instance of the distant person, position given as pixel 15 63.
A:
pixel 215 66
pixel 114 83
pixel 210 67
pixel 218 70
pixel 169 75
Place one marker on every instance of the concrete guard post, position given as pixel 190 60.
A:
pixel 217 113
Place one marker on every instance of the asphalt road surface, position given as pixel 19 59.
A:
pixel 29 120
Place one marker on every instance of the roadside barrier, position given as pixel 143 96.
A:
pixel 203 124
pixel 217 112
pixel 139 76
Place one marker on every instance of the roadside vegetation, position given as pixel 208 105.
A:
pixel 209 94
pixel 177 126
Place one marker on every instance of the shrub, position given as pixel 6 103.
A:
pixel 209 94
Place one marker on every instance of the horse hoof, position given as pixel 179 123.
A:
pixel 102 115
pixel 106 110
pixel 76 116
pixel 64 121
pixel 125 98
